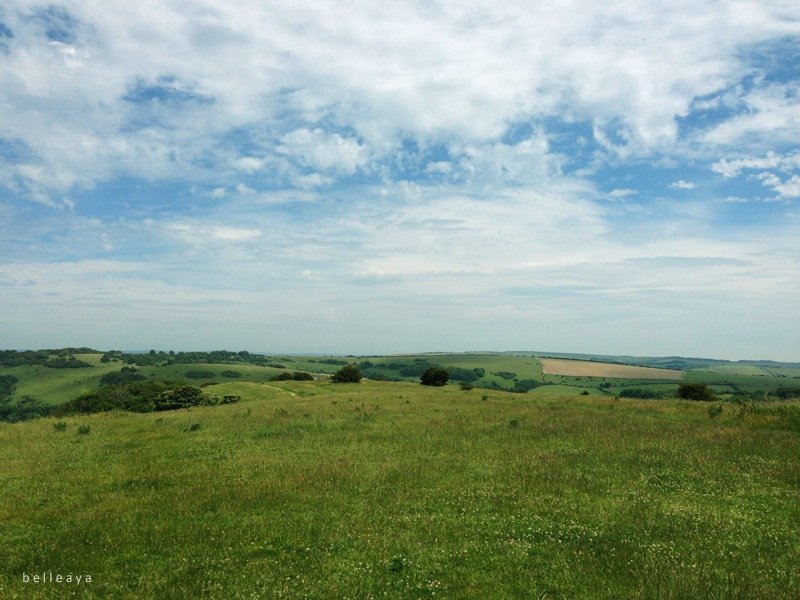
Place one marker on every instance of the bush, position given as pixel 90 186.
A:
pixel 466 386
pixel 66 363
pixel 84 429
pixel 505 374
pixel 230 398
pixel 60 426
pixel 640 393
pixel 231 374
pixel 434 376
pixel 691 390
pixel 524 385
pixel 467 375
pixel 200 374
pixel 347 374
pixel 181 397
pixel 784 393
pixel 7 383
pixel 296 376
pixel 124 375
pixel 194 427
pixel 715 411
pixel 23 410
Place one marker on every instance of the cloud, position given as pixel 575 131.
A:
pixel 682 185
pixel 618 193
pixel 322 150
pixel 772 160
pixel 157 91
pixel 236 234
pixel 771 117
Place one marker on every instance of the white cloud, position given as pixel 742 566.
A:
pixel 218 192
pixel 682 185
pixel 460 72
pixel 235 234
pixel 322 150
pixel 248 164
pixel 772 117
pixel 618 193
pixel 772 160
pixel 244 189
pixel 789 188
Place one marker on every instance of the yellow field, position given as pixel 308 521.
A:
pixel 583 368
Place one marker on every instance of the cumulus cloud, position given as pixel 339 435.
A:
pixel 158 90
pixel 322 150
pixel 682 185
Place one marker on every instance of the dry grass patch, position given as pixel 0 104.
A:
pixel 583 368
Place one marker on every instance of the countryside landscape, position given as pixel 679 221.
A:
pixel 523 476
pixel 417 300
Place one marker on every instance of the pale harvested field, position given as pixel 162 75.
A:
pixel 584 368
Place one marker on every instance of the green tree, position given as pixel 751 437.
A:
pixel 435 376
pixel 692 390
pixel 347 374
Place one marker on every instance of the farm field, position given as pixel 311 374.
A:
pixel 578 368
pixel 373 490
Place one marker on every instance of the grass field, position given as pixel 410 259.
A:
pixel 581 368
pixel 737 370
pixel 394 490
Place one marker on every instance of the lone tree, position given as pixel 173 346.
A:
pixel 435 376
pixel 695 391
pixel 347 374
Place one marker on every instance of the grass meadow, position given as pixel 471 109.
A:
pixel 394 490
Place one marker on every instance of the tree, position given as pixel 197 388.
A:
pixel 181 397
pixel 691 390
pixel 435 376
pixel 347 374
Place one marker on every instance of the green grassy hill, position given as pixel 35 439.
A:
pixel 394 490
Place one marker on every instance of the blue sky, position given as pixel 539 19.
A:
pixel 380 178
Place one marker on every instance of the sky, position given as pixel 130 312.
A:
pixel 382 177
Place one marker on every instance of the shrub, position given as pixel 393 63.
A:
pixel 524 385
pixel 124 375
pixel 84 429
pixel 22 410
pixel 60 426
pixel 194 427
pixel 784 393
pixel 715 411
pixel 434 376
pixel 181 397
pixel 230 399
pixel 296 376
pixel 691 390
pixel 468 375
pixel 466 386
pixel 640 393
pixel 347 374
pixel 66 363
pixel 199 374
pixel 231 374
pixel 505 374
pixel 7 383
